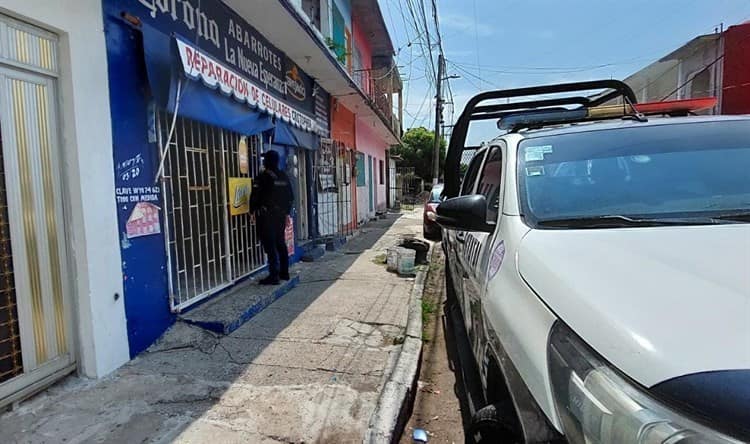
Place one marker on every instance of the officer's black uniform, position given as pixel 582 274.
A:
pixel 271 201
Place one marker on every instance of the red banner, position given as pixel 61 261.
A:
pixel 289 235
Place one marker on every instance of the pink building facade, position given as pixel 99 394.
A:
pixel 371 166
pixel 371 148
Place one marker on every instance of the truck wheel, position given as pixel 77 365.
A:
pixel 489 425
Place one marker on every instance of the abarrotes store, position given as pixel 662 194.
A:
pixel 197 94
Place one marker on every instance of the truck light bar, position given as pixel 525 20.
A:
pixel 542 117
pixel 674 107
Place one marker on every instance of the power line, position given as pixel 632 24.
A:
pixel 425 33
pixel 424 100
pixel 437 26
pixel 544 70
pixel 476 42
pixel 412 24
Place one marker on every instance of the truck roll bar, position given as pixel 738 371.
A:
pixel 472 112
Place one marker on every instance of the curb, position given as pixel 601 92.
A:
pixel 389 418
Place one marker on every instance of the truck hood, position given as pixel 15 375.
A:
pixel 657 303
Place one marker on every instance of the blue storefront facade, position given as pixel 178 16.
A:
pixel 197 94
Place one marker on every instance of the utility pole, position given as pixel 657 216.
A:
pixel 438 121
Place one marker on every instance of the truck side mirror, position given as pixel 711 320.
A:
pixel 465 213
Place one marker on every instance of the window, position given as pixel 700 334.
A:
pixel 467 185
pixel 489 183
pixel 312 9
pixel 339 41
pixel 673 171
pixel 361 181
pixel 435 193
pixel 382 173
pixel 700 84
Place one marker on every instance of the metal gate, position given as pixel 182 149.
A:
pixel 405 187
pixel 332 171
pixel 207 248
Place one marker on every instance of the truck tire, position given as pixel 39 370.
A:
pixel 489 425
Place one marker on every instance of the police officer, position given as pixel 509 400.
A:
pixel 271 201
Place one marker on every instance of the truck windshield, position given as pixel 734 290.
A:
pixel 693 171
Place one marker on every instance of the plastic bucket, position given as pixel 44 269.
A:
pixel 391 259
pixel 406 259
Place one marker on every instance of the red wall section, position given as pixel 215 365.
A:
pixel 736 81
pixel 343 124
pixel 365 51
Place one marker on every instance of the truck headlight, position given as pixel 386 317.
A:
pixel 597 405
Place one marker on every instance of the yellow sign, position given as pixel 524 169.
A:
pixel 239 195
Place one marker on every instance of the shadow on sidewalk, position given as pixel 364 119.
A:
pixel 295 367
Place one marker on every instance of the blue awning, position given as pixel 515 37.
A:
pixel 286 134
pixel 196 101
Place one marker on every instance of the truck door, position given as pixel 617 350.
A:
pixel 455 239
pixel 476 246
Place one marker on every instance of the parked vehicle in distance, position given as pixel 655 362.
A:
pixel 430 229
pixel 597 261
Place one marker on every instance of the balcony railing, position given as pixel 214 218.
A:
pixel 379 85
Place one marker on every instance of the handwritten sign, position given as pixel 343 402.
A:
pixel 137 194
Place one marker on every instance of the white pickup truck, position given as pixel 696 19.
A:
pixel 599 261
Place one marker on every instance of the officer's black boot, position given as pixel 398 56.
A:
pixel 269 280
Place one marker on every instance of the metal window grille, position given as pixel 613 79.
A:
pixel 11 364
pixel 207 249
pixel 332 171
pixel 405 187
pixel 245 252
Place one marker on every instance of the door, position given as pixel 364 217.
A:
pixel 209 246
pixel 35 332
pixel 370 184
pixel 361 193
pixel 454 239
pixel 299 170
pixel 475 255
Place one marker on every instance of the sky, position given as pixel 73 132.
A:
pixel 499 44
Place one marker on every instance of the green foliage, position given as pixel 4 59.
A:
pixel 464 167
pixel 428 308
pixel 339 49
pixel 417 148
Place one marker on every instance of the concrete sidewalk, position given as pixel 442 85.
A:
pixel 309 368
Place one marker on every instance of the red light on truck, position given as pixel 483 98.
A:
pixel 676 106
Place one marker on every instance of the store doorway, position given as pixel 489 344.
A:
pixel 299 171
pixel 209 245
pixel 371 183
pixel 36 340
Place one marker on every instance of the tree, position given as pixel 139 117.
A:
pixel 416 150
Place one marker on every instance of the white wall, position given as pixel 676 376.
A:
pixel 96 271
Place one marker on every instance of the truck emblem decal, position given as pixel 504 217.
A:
pixel 496 260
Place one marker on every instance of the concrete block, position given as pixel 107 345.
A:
pixel 228 312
